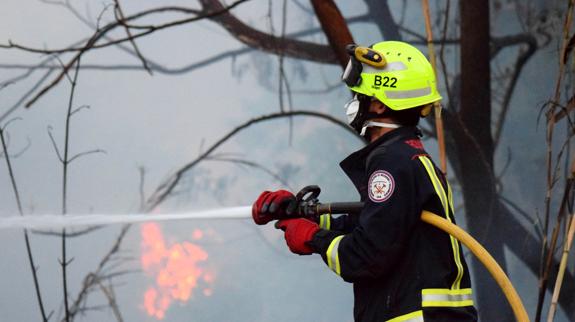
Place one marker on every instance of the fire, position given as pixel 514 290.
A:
pixel 174 268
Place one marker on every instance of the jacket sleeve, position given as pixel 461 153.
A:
pixel 385 224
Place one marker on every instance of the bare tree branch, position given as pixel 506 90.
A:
pixel 99 34
pixel 551 123
pixel 27 94
pixel 549 254
pixel 22 150
pixel 156 67
pixel 294 48
pixel 269 43
pixel 111 297
pixel 26 237
pixel 69 234
pixel 251 164
pixel 566 110
pixel 334 27
pixel 90 280
pixel 162 192
pixel 54 145
pixel 5 84
pixel 81 154
pixel 519 64
pixel 120 18
pixel 78 109
pixel 65 162
pixel 92 43
pixel 100 16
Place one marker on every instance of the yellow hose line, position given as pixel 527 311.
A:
pixel 485 258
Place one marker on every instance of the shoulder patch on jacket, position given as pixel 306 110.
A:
pixel 380 186
pixel 415 143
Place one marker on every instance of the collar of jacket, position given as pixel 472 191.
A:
pixel 354 165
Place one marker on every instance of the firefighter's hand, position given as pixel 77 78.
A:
pixel 297 233
pixel 271 205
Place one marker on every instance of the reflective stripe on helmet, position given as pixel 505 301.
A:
pixel 325 221
pixel 390 67
pixel 333 255
pixel 446 297
pixel 412 93
pixel 416 316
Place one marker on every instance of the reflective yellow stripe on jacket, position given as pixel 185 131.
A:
pixel 416 316
pixel 446 298
pixel 333 255
pixel 437 297
pixel 325 221
pixel 447 203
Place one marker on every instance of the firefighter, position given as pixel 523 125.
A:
pixel 401 268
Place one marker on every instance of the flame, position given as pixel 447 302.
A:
pixel 175 270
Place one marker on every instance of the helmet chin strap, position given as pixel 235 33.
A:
pixel 377 124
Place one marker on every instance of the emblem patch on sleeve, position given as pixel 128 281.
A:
pixel 380 186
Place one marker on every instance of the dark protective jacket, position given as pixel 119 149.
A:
pixel 402 269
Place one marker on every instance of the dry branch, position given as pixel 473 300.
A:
pixel 164 190
pixel 551 122
pixel 91 280
pixel 65 162
pixel 269 43
pixel 562 267
pixel 251 164
pixel 517 68
pixel 92 43
pixel 33 268
pixel 120 18
pixel 548 254
pixel 335 28
pixel 111 297
pixel 565 110
pixel 69 234
pixel 212 9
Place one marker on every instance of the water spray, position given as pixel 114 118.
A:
pixel 306 200
pixel 68 221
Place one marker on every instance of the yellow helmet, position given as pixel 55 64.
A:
pixel 394 72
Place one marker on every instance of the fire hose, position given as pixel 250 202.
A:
pixel 307 205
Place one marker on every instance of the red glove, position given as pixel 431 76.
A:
pixel 271 205
pixel 297 233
